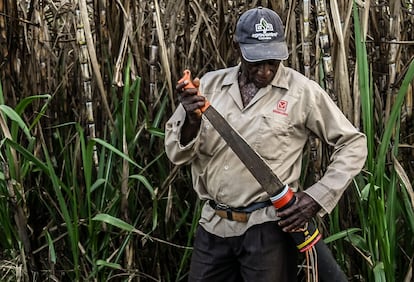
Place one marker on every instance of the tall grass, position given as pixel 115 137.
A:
pixel 385 223
pixel 73 191
pixel 131 214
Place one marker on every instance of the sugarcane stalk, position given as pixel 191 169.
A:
pixel 314 144
pixel 324 265
pixel 325 46
pixel 118 81
pixel 393 51
pixel 86 92
pixel 129 249
pixel 409 103
pixel 164 53
pixel 313 141
pixel 392 54
pixel 20 215
pixel 94 66
pixel 101 26
pixel 342 86
pixel 306 47
pixel 409 110
pixel 3 32
pixel 153 57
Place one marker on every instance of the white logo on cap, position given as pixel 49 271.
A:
pixel 262 30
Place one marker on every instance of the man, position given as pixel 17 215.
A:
pixel 274 108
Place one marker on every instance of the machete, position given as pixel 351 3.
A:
pixel 280 194
pixel 252 160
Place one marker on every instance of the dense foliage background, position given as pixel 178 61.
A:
pixel 86 191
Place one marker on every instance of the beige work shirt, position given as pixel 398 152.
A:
pixel 276 123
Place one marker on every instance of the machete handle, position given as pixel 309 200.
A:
pixel 304 238
pixel 187 77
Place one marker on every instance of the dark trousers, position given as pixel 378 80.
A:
pixel 264 253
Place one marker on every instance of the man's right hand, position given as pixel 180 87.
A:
pixel 191 101
pixel 192 104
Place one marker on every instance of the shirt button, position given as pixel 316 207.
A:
pixel 207 126
pixel 226 167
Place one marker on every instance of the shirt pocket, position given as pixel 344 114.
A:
pixel 274 137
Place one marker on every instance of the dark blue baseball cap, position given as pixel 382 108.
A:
pixel 261 37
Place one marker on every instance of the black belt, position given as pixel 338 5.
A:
pixel 237 214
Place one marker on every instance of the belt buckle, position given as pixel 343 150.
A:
pixel 221 206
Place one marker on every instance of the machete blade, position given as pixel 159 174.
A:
pixel 250 158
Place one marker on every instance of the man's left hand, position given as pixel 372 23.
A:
pixel 297 215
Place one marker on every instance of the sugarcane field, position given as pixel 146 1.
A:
pixel 89 190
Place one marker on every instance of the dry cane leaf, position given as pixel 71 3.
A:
pixel 404 179
pixel 409 275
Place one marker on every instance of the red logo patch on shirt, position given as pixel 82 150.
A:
pixel 281 107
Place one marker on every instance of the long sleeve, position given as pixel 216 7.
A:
pixel 349 151
pixel 176 152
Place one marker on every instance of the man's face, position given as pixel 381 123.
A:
pixel 260 73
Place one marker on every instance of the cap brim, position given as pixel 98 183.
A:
pixel 264 51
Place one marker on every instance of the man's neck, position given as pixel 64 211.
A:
pixel 247 89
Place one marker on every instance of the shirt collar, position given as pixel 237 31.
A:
pixel 231 76
pixel 280 80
